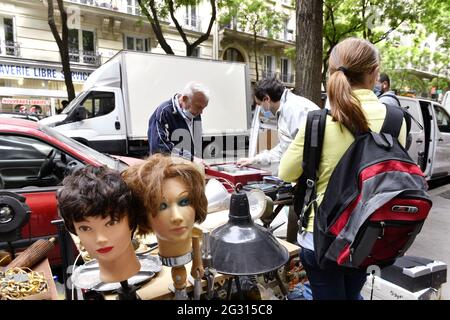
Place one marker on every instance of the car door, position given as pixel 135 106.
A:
pixel 22 159
pixel 441 165
pixel 417 145
pixel 104 128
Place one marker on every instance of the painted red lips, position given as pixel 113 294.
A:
pixel 105 249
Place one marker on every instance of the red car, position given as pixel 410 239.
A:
pixel 34 159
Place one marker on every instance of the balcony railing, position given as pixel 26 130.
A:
pixel 9 48
pixel 116 5
pixel 287 77
pixel 88 57
pixel 192 23
pixel 268 74
pixel 283 77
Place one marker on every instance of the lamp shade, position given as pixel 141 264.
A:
pixel 240 247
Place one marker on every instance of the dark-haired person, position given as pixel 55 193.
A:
pixel 290 110
pixel 97 205
pixel 353 67
pixel 383 91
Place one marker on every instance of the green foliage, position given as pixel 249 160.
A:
pixel 253 16
pixel 381 21
pixel 398 59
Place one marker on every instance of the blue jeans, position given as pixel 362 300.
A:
pixel 331 284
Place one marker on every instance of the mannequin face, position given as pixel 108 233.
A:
pixel 175 218
pixel 104 239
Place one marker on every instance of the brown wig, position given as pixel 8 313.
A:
pixel 146 181
pixel 351 61
pixel 96 192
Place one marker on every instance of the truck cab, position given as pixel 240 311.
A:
pixel 95 118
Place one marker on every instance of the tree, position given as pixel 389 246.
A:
pixel 253 16
pixel 400 58
pixel 374 20
pixel 63 44
pixel 155 11
pixel 309 49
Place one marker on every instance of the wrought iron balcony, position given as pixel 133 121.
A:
pixel 9 48
pixel 88 57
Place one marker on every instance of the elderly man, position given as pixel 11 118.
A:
pixel 175 127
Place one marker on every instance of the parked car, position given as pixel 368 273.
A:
pixel 34 159
pixel 17 115
pixel 446 101
pixel 430 146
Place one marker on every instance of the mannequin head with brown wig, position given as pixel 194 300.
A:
pixel 172 192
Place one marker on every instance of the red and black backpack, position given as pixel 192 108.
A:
pixel 376 200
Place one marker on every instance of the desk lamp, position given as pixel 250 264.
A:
pixel 240 247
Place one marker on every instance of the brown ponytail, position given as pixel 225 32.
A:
pixel 350 62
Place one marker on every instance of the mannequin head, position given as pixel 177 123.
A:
pixel 96 205
pixel 172 192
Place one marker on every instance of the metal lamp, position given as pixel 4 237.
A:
pixel 240 247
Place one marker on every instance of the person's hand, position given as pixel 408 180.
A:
pixel 202 162
pixel 245 162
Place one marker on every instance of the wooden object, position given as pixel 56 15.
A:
pixel 179 276
pixel 197 269
pixel 33 254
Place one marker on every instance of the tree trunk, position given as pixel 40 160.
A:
pixel 63 44
pixel 255 52
pixel 156 26
pixel 309 49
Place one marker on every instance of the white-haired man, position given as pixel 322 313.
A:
pixel 175 127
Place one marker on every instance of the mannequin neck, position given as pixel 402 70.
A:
pixel 171 249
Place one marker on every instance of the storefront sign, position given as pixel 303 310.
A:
pixel 44 73
pixel 37 102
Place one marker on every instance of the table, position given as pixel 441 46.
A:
pixel 44 267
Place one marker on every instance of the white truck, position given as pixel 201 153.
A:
pixel 111 113
pixel 430 146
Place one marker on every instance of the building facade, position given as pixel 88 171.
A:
pixel 31 76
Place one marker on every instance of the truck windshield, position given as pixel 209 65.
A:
pixel 74 103
pixel 85 150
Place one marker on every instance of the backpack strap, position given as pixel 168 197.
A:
pixel 390 95
pixel 312 150
pixel 408 116
pixel 393 121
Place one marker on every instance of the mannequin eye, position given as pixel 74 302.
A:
pixel 184 202
pixel 163 206
pixel 84 228
pixel 112 222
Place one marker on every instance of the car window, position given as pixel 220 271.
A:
pixel 442 119
pixel 22 148
pixel 28 162
pixel 98 103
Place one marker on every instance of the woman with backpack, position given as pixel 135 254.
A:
pixel 354 108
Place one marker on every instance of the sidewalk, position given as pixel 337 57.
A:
pixel 434 240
